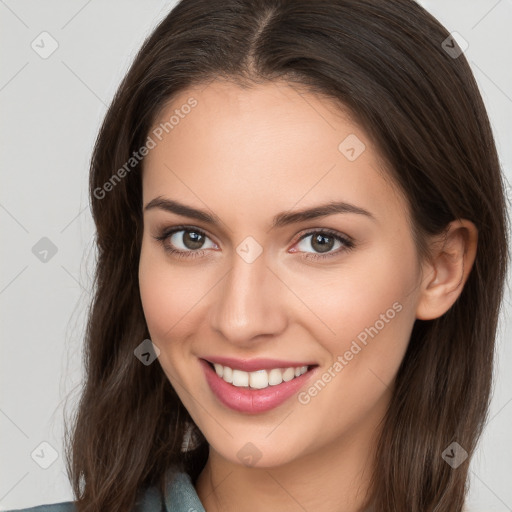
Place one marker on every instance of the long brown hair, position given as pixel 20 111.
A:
pixel 386 62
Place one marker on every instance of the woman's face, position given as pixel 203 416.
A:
pixel 262 280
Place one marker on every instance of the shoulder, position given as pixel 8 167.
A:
pixel 180 496
pixel 65 506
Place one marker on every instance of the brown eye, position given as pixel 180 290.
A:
pixel 192 240
pixel 185 241
pixel 323 242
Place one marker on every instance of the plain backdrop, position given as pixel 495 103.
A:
pixel 51 109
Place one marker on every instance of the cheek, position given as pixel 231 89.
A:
pixel 166 297
pixel 368 308
pixel 372 314
pixel 157 302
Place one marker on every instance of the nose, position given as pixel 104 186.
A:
pixel 250 302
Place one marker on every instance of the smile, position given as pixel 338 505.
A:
pixel 256 391
pixel 259 379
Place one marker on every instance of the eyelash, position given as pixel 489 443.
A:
pixel 191 254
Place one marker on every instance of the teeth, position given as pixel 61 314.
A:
pixel 275 377
pixel 288 374
pixel 240 378
pixel 219 369
pixel 259 379
pixel 227 374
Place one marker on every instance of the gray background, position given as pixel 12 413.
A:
pixel 51 109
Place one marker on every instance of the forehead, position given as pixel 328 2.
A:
pixel 269 144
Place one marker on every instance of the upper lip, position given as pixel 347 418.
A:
pixel 251 365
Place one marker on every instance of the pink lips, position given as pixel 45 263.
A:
pixel 253 401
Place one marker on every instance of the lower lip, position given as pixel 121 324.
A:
pixel 252 401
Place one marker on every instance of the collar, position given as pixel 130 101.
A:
pixel 180 494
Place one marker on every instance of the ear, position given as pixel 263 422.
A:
pixel 453 255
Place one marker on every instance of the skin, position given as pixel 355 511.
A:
pixel 246 155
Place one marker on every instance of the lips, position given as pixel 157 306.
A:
pixel 254 401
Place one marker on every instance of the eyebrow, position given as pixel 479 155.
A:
pixel 279 220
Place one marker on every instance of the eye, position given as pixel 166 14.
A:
pixel 184 242
pixel 323 241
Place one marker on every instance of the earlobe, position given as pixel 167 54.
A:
pixel 453 255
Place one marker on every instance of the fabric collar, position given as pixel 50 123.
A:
pixel 180 494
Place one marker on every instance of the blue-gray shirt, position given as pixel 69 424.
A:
pixel 180 496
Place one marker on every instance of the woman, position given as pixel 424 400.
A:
pixel 302 246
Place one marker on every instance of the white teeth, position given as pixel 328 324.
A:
pixel 275 377
pixel 219 369
pixel 227 374
pixel 259 379
pixel 240 378
pixel 288 374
